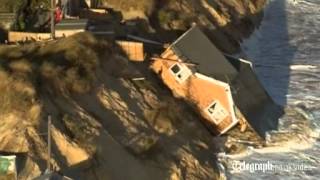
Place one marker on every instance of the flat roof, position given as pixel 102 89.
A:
pixel 70 24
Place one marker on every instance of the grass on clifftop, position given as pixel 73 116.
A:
pixel 67 65
pixel 146 6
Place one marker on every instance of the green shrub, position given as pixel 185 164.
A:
pixel 13 96
pixel 146 6
pixel 166 16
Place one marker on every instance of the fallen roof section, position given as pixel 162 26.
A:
pixel 253 100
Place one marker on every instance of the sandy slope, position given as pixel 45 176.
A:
pixel 105 126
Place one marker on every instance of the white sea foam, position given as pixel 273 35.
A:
pixel 286 53
pixel 303 67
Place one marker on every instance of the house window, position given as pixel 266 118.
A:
pixel 176 69
pixel 217 112
pixel 181 72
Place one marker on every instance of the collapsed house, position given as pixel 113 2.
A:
pixel 212 98
pixel 216 85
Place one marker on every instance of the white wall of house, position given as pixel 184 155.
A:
pixel 181 72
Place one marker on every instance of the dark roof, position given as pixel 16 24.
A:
pixel 196 47
pixel 249 95
pixel 261 112
pixel 72 24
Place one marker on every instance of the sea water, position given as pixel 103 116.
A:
pixel 285 51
